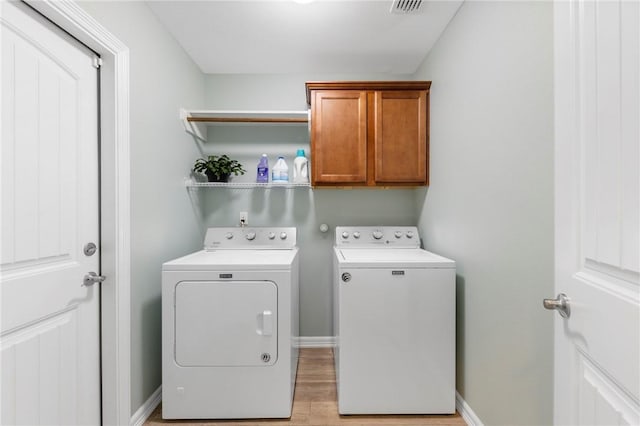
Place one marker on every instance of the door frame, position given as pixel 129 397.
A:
pixel 115 201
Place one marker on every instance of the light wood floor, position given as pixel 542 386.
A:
pixel 315 402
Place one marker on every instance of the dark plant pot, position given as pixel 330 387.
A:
pixel 213 178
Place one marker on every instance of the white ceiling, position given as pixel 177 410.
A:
pixel 286 36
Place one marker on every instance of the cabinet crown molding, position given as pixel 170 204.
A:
pixel 365 85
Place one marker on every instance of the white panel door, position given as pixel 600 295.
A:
pixel 50 336
pixel 597 348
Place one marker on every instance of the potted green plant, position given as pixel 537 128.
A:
pixel 218 168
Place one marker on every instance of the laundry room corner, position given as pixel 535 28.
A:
pixel 320 212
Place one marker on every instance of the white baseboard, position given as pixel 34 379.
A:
pixel 316 341
pixel 466 412
pixel 143 413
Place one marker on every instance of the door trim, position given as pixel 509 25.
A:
pixel 115 204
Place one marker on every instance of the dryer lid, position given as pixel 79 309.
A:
pixel 246 260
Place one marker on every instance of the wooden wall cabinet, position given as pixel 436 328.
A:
pixel 369 133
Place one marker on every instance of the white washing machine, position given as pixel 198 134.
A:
pixel 394 321
pixel 230 326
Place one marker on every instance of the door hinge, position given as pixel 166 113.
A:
pixel 97 62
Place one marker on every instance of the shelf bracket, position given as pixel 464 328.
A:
pixel 196 130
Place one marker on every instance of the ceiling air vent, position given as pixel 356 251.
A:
pixel 407 6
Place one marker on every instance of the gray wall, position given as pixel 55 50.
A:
pixel 164 224
pixel 302 208
pixel 490 202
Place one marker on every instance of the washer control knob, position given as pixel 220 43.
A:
pixel 251 236
pixel 228 235
pixel 283 235
pixel 409 234
pixel 377 234
pixel 398 234
pixel 356 235
pixel 271 235
pixel 345 235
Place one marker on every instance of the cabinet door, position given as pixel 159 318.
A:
pixel 339 137
pixel 401 143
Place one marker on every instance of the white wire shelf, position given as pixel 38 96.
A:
pixel 190 183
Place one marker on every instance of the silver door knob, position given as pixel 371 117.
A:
pixel 90 249
pixel 91 278
pixel 560 304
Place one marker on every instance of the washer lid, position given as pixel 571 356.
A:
pixel 233 259
pixel 383 258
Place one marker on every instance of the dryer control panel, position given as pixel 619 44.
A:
pixel 377 236
pixel 263 238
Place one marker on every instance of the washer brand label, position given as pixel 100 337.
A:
pixel 397 272
pixel 226 275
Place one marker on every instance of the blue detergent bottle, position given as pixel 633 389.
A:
pixel 263 170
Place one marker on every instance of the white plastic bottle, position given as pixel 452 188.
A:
pixel 280 171
pixel 300 168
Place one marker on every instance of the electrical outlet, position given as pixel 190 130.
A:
pixel 244 218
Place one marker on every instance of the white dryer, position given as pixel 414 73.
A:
pixel 230 326
pixel 394 321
